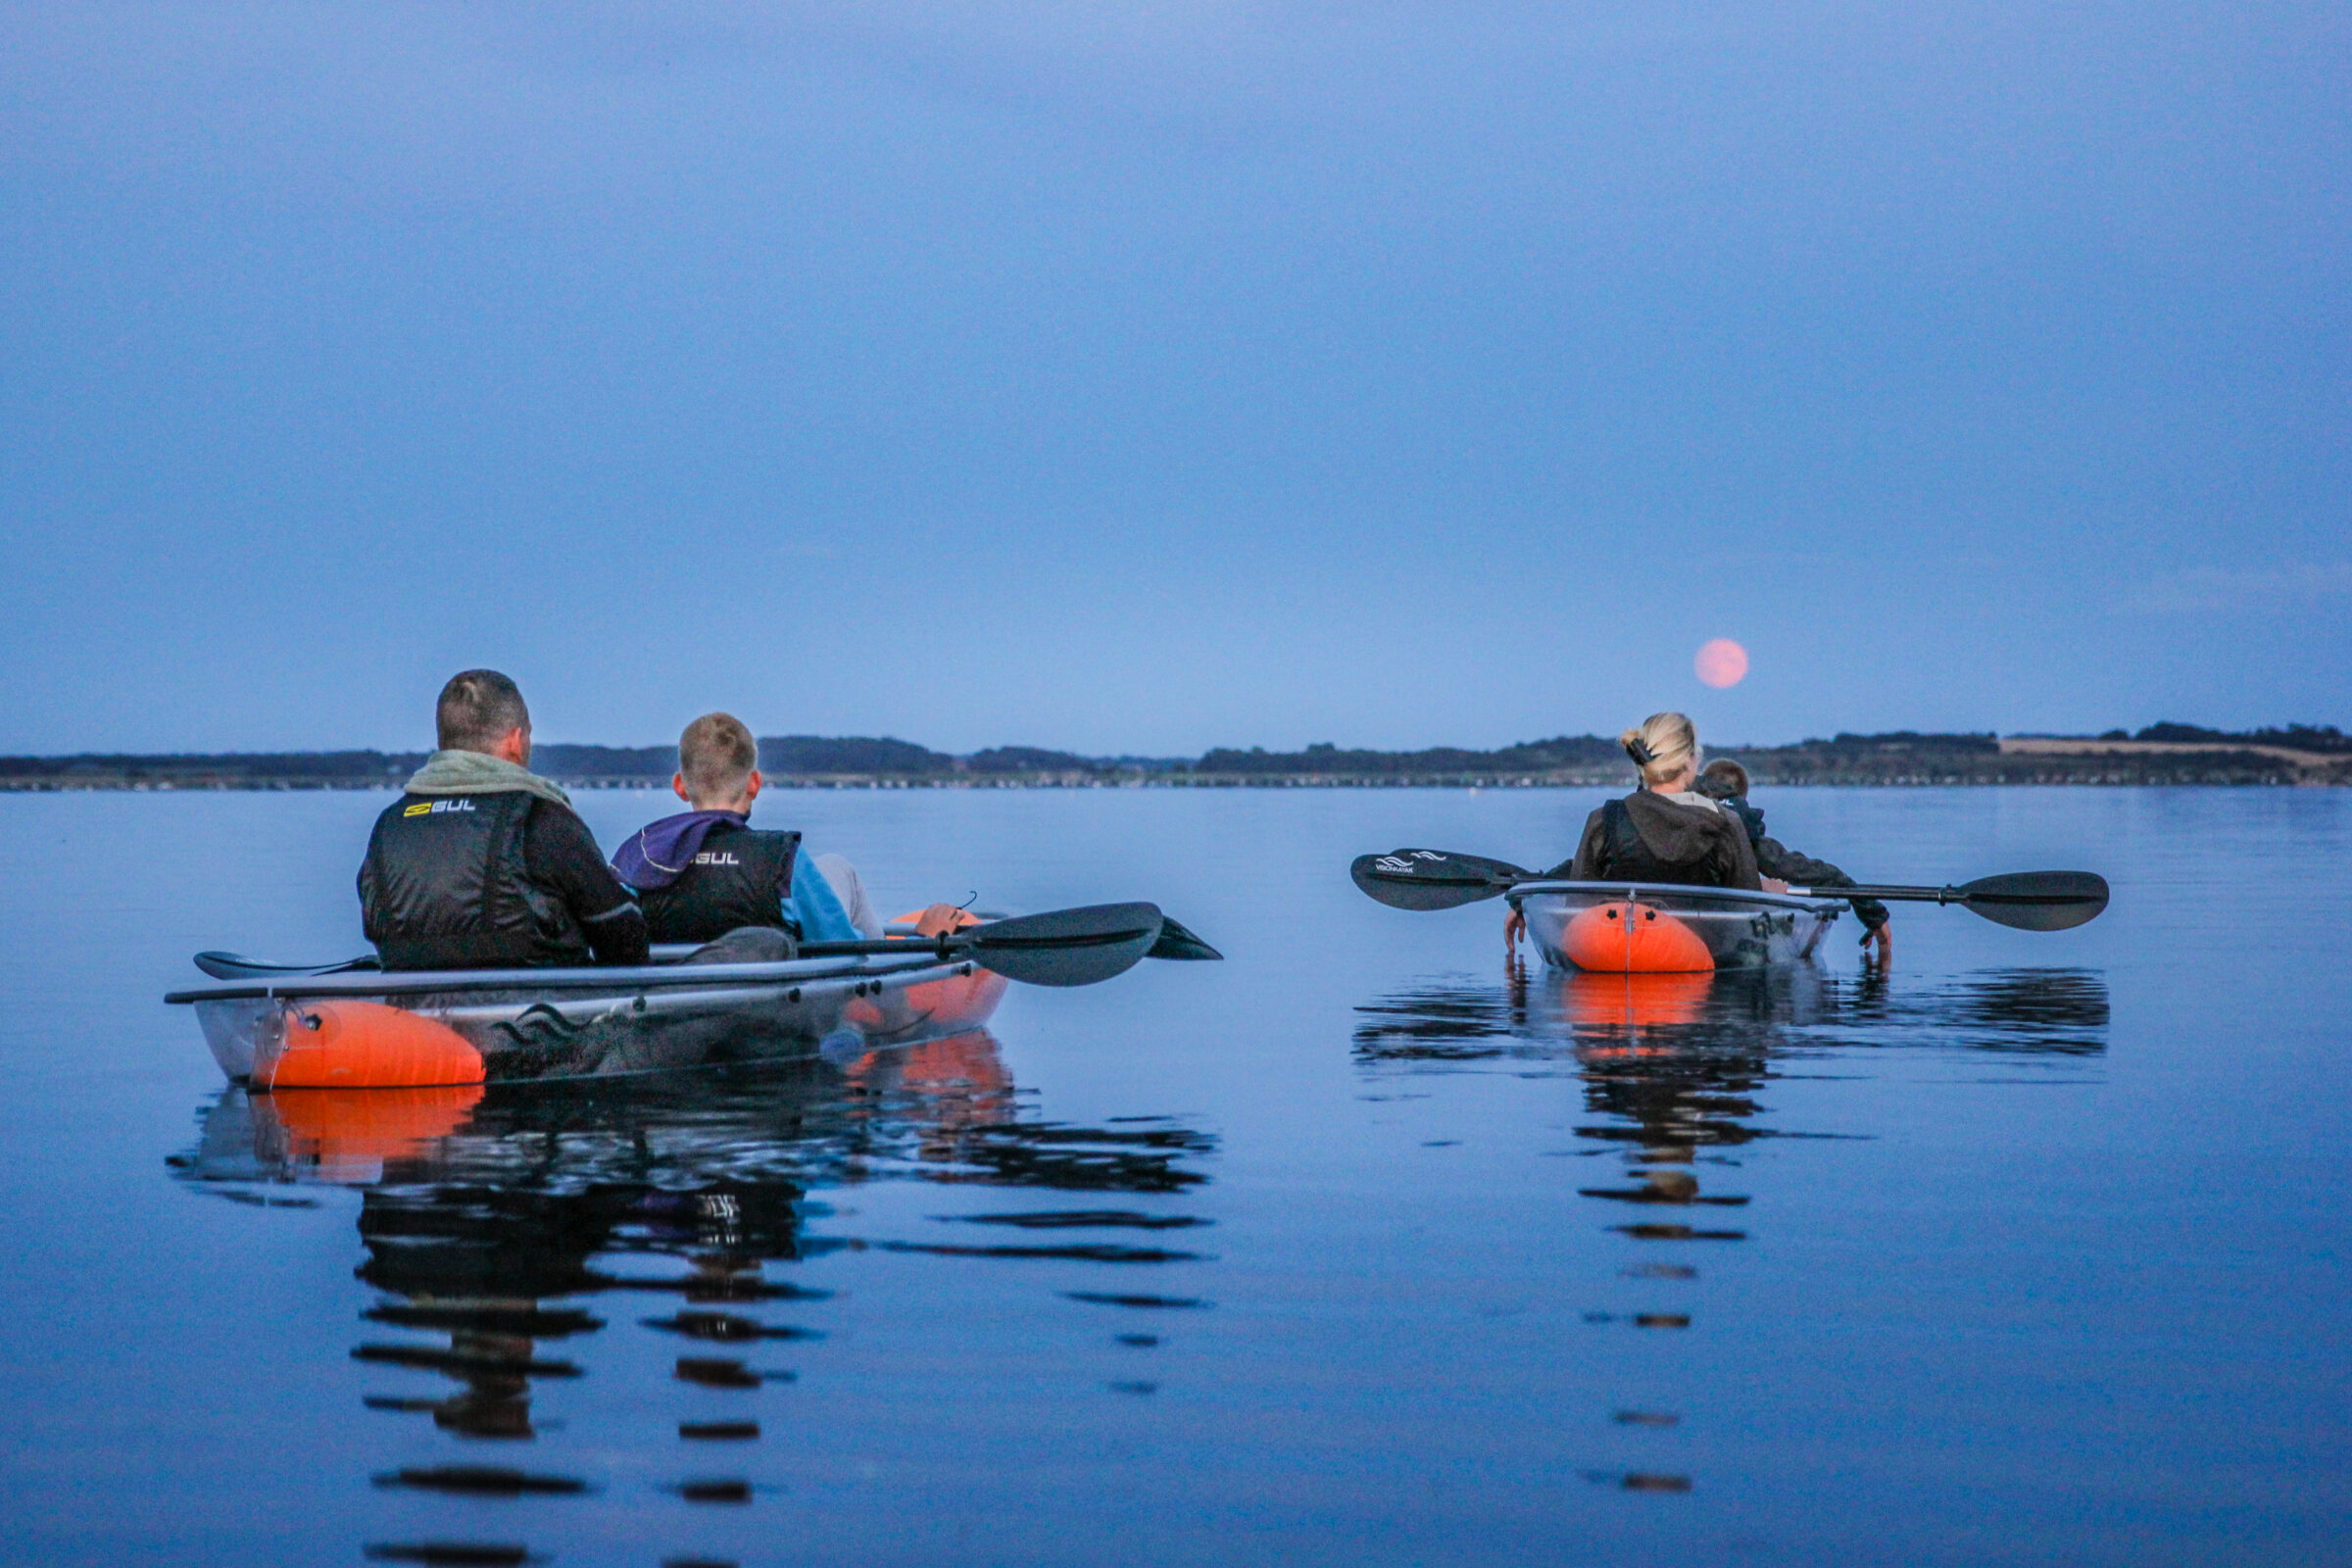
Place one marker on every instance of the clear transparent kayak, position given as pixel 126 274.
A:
pixel 370 1030
pixel 1648 927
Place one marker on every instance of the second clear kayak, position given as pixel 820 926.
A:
pixel 1648 928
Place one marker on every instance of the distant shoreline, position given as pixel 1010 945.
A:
pixel 20 787
pixel 2159 755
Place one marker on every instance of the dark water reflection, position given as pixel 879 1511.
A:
pixel 1535 1015
pixel 1675 1068
pixel 505 1229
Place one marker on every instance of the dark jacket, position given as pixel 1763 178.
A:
pixel 1647 838
pixel 1776 859
pixel 732 876
pixel 496 880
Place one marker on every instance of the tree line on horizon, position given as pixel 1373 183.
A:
pixel 885 756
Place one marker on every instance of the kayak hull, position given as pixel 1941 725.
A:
pixel 1655 928
pixel 414 1031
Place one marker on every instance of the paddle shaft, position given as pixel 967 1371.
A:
pixel 944 944
pixel 1062 947
pixel 1942 894
pixel 953 945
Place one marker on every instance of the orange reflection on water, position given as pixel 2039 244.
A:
pixel 345 1130
pixel 1634 1000
pixel 961 1080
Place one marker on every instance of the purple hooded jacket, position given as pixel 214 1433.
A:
pixel 659 853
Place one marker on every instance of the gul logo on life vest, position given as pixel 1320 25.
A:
pixel 429 807
pixel 715 857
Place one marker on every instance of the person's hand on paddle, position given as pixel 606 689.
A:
pixel 1882 935
pixel 940 918
pixel 1773 883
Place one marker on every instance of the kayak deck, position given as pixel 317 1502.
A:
pixel 1648 927
pixel 415 1029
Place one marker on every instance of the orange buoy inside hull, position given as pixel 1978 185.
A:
pixel 1627 938
pixel 952 1001
pixel 959 1000
pixel 334 1044
pixel 964 918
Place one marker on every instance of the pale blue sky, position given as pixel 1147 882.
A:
pixel 1147 376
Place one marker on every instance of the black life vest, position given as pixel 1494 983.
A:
pixel 1631 858
pixel 445 887
pixel 739 877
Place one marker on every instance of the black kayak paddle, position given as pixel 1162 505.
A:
pixel 1176 939
pixel 1435 879
pixel 1060 948
pixel 2027 901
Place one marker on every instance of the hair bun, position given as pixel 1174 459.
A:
pixel 1662 745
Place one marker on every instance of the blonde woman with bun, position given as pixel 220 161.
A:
pixel 1665 831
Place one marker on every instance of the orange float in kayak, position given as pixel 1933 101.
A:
pixel 1669 928
pixel 338 1044
pixel 964 918
pixel 1625 938
pixel 964 1000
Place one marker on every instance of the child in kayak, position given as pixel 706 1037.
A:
pixel 1665 831
pixel 706 872
pixel 1726 782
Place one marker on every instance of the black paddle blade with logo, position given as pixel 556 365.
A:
pixel 1064 947
pixel 2038 900
pixel 1432 879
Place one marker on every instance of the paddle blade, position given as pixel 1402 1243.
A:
pixel 1178 941
pixel 235 966
pixel 2038 900
pixel 1066 947
pixel 1432 879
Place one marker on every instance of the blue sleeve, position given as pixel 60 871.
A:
pixel 816 908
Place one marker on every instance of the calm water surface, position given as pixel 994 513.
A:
pixel 1356 1247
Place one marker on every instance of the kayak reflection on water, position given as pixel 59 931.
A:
pixel 1539 1012
pixel 507 1228
pixel 794 1111
pixel 1672 1069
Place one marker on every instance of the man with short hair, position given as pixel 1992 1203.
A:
pixel 706 872
pixel 1726 781
pixel 481 863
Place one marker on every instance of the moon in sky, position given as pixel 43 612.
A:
pixel 1721 662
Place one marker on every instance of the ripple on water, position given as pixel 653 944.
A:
pixel 1675 1070
pixel 488 1239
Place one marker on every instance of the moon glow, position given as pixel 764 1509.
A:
pixel 1721 662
